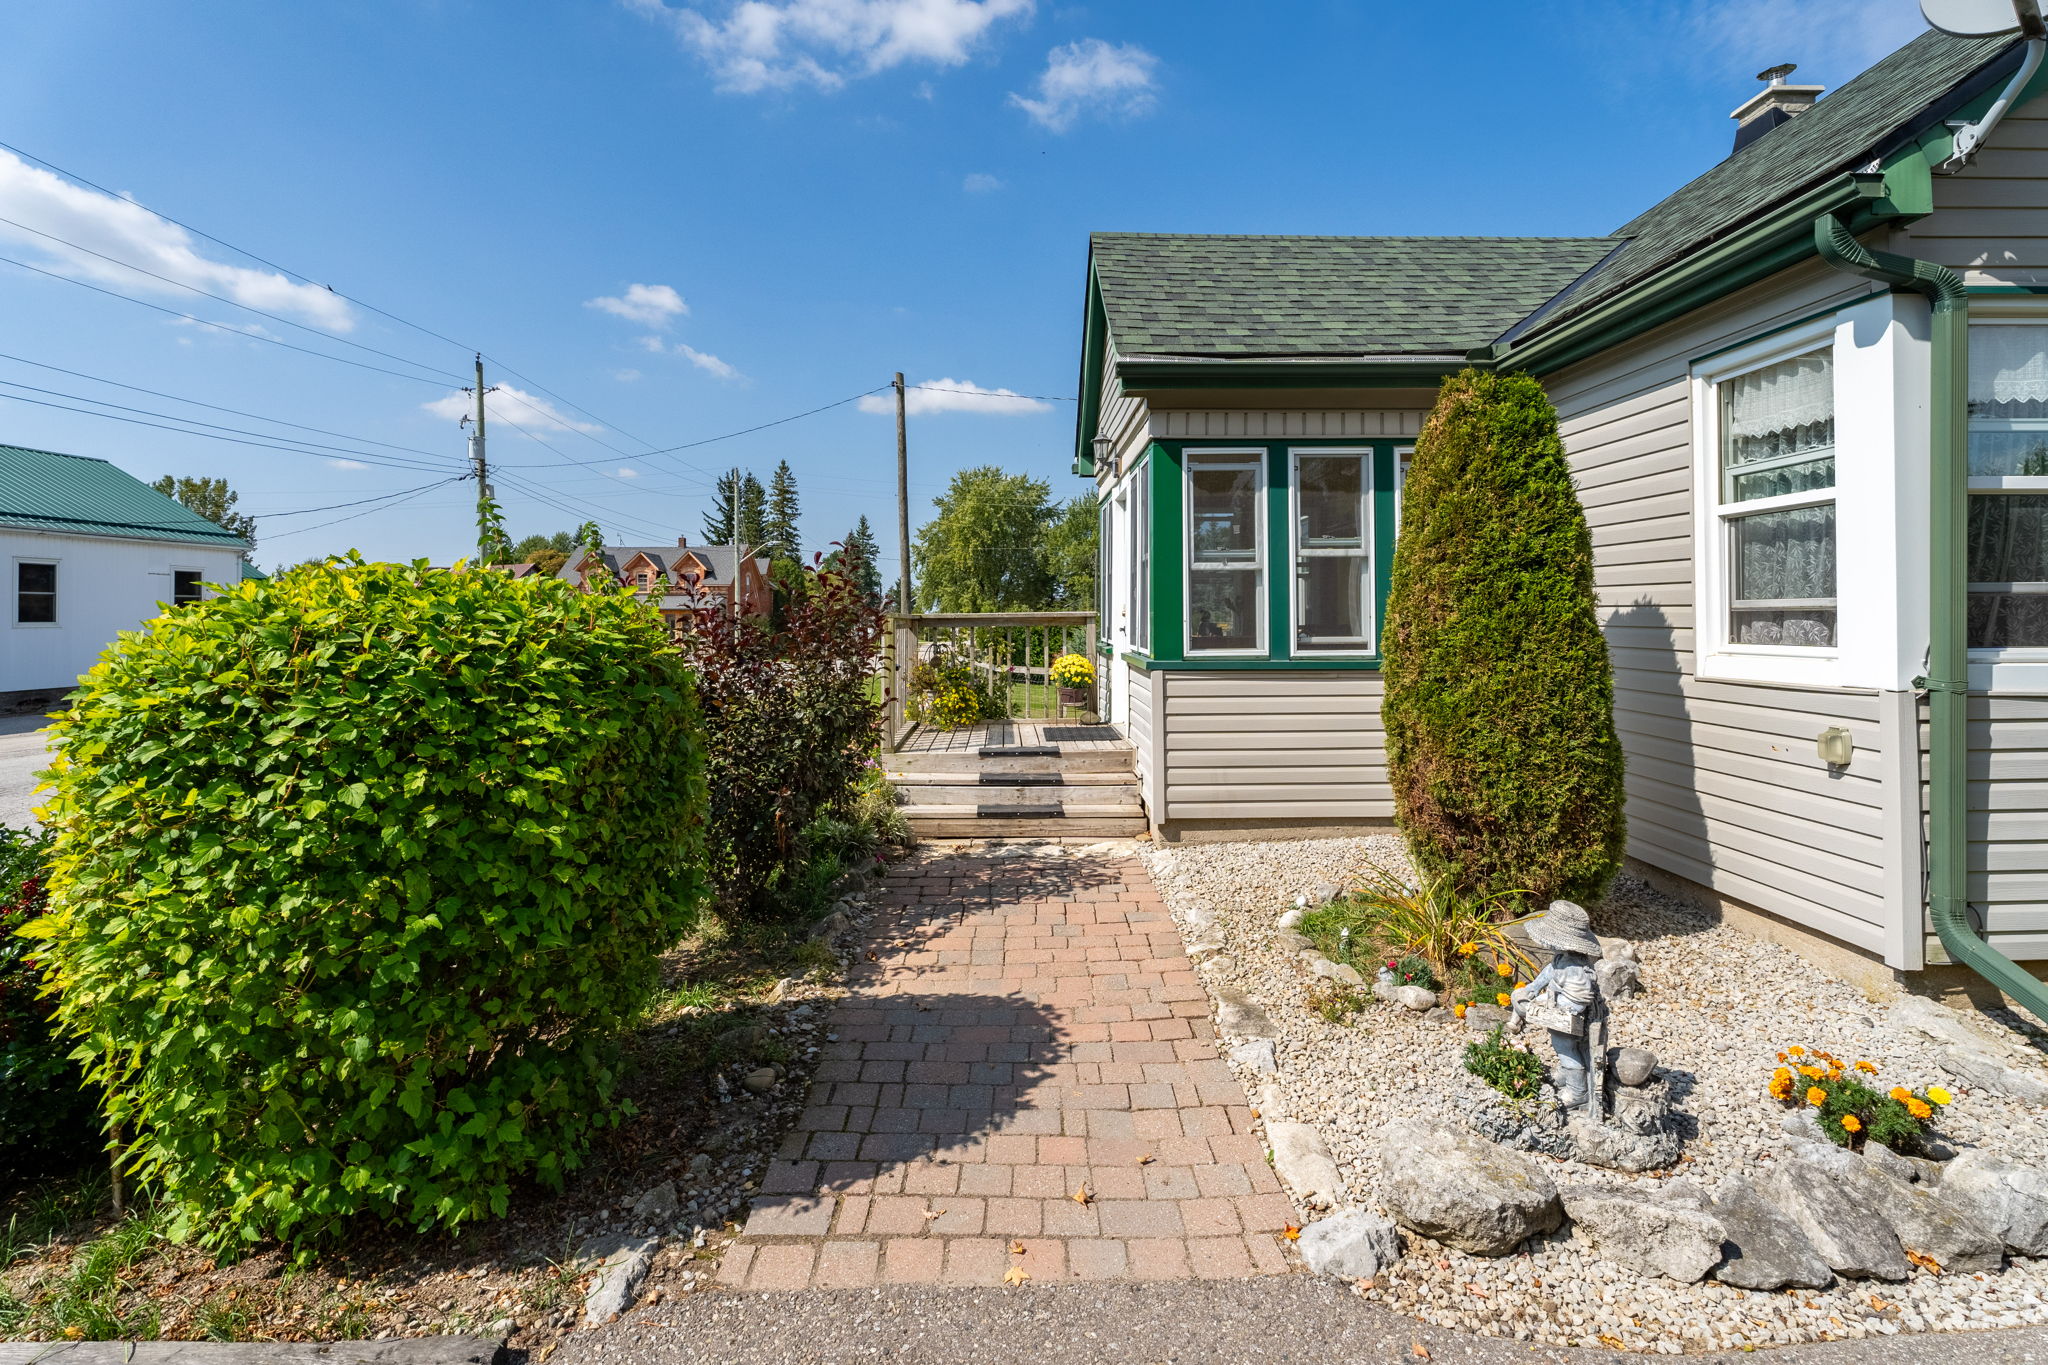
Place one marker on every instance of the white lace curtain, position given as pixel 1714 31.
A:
pixel 2008 364
pixel 1773 403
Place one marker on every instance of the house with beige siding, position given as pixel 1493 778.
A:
pixel 1805 398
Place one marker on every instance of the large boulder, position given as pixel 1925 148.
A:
pixel 1459 1189
pixel 1763 1249
pixel 1851 1237
pixel 1355 1244
pixel 1649 1237
pixel 2009 1199
pixel 1925 1223
pixel 1615 1147
pixel 1301 1160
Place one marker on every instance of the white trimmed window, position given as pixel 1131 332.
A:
pixel 2008 541
pixel 1776 503
pixel 35 593
pixel 1226 498
pixel 1333 580
pixel 1105 570
pixel 1139 542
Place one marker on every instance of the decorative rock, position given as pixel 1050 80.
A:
pixel 618 1278
pixel 659 1202
pixel 1619 950
pixel 830 927
pixel 1618 977
pixel 1924 1223
pixel 760 1082
pixel 1355 1244
pixel 1896 1166
pixel 1763 1249
pixel 1641 1109
pixel 1616 1148
pixel 1289 919
pixel 1335 971
pixel 2009 1199
pixel 1300 1159
pixel 1483 1018
pixel 1237 1016
pixel 1938 1021
pixel 1201 919
pixel 1678 1243
pixel 1256 1055
pixel 1223 964
pixel 1855 1242
pixel 744 1037
pixel 780 990
pixel 1464 1191
pixel 1986 1072
pixel 1634 1065
pixel 1295 943
pixel 1198 952
pixel 1415 998
pixel 700 1164
pixel 1801 1126
pixel 1325 893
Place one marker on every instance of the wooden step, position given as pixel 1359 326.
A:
pixel 969 761
pixel 1018 751
pixel 1000 792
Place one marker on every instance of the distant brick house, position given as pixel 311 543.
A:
pixel 683 578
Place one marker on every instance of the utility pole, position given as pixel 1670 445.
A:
pixel 902 500
pixel 477 464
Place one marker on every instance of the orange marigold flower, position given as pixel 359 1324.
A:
pixel 1459 1010
pixel 1812 1073
pixel 1796 1050
pixel 1919 1108
pixel 1781 1056
pixel 1782 1074
pixel 1816 1096
pixel 1868 1068
pixel 1852 1123
pixel 1505 999
pixel 1504 968
pixel 1901 1094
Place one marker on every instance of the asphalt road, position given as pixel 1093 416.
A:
pixel 1181 1322
pixel 21 756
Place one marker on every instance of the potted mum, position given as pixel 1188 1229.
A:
pixel 1074 676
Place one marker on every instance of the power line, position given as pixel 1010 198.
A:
pixel 221 326
pixel 389 503
pixel 983 393
pixel 381 497
pixel 221 298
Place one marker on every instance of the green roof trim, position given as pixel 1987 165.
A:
pixel 42 490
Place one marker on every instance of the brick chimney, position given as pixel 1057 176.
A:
pixel 1776 103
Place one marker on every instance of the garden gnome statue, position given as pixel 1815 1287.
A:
pixel 1565 998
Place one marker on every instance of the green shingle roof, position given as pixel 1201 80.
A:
pixel 41 490
pixel 1837 134
pixel 1326 296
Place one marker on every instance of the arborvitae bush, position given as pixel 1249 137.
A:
pixel 1499 700
pixel 358 871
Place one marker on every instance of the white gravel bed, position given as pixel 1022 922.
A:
pixel 1717 1008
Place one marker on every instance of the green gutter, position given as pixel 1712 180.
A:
pixel 1948 661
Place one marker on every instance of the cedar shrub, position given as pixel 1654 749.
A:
pixel 1499 703
pixel 358 871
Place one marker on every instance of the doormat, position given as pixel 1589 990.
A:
pixel 1074 734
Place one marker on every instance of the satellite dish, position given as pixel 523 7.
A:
pixel 1980 18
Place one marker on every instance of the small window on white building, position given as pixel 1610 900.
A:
pixel 35 594
pixel 1226 552
pixel 185 586
pixel 1333 599
pixel 2008 544
pixel 1776 503
pixel 1139 540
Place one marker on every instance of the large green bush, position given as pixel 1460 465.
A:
pixel 1499 700
pixel 45 1110
pixel 357 872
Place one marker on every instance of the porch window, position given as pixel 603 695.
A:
pixel 1139 541
pixel 2008 542
pixel 1226 552
pixel 35 594
pixel 1105 569
pixel 1777 502
pixel 1333 602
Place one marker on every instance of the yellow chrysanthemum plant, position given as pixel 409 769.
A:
pixel 1847 1104
pixel 1073 670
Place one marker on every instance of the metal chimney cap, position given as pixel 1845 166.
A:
pixel 1776 74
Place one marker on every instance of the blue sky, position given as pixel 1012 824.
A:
pixel 690 219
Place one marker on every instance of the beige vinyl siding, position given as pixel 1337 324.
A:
pixel 1123 416
pixel 1261 746
pixel 1988 219
pixel 2008 821
pixel 1144 737
pixel 1724 785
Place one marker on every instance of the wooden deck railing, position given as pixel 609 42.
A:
pixel 1007 654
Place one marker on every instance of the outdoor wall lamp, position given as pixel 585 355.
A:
pixel 1102 445
pixel 1835 746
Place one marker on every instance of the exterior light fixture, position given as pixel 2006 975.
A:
pixel 1835 747
pixel 1102 445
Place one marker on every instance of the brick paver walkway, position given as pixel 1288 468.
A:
pixel 1022 1029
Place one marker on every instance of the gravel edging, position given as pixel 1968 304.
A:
pixel 1717 1008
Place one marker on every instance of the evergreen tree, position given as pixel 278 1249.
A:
pixel 1499 703
pixel 722 520
pixel 860 557
pixel 750 514
pixel 212 499
pixel 784 538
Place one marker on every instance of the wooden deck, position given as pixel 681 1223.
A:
pixel 1071 736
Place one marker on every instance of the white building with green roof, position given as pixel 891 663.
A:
pixel 88 552
pixel 1806 402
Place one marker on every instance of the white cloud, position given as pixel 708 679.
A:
pixel 780 44
pixel 626 472
pixel 625 376
pixel 348 464
pixel 126 231
pixel 1831 40
pixel 1091 76
pixel 955 395
pixel 513 406
pixel 707 362
pixel 650 305
pixel 652 345
pixel 980 183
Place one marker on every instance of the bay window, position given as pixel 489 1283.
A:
pixel 1332 507
pixel 1225 496
pixel 2008 460
pixel 1776 503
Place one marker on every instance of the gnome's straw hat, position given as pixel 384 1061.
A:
pixel 1564 928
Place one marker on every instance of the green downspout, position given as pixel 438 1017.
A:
pixel 1948 661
